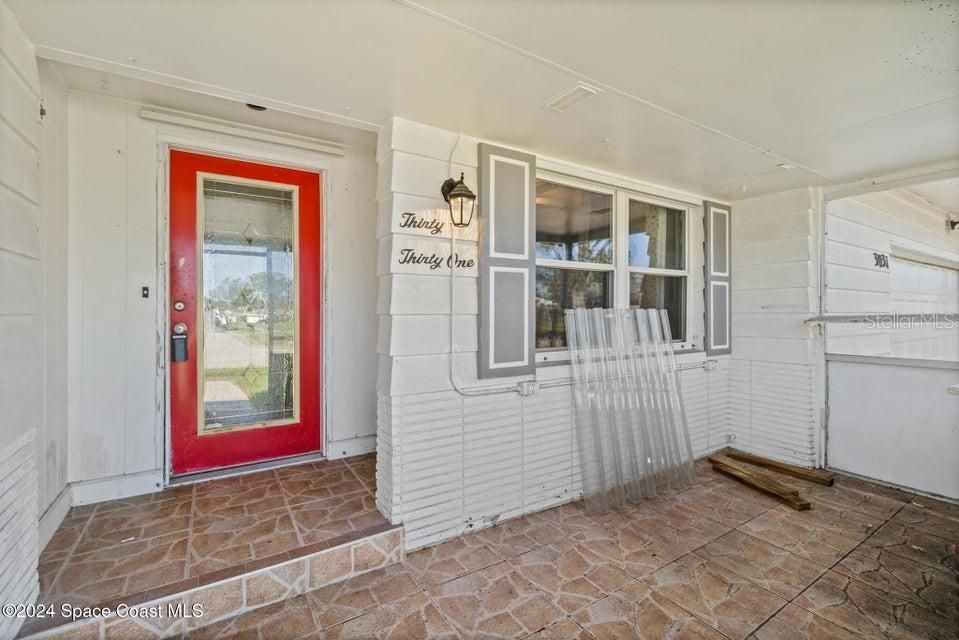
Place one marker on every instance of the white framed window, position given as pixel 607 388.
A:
pixel 599 246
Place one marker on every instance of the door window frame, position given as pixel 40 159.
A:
pixel 201 177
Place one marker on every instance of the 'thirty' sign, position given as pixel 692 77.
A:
pixel 410 220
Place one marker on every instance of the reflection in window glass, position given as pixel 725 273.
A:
pixel 573 224
pixel 249 305
pixel 656 236
pixel 660 292
pixel 561 289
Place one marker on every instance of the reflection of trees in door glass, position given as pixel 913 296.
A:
pixel 249 305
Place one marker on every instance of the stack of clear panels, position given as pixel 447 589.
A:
pixel 630 418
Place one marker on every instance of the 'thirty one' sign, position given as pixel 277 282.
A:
pixel 431 255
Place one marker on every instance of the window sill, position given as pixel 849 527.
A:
pixel 560 371
pixel 552 358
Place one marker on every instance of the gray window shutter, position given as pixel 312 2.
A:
pixel 718 269
pixel 507 268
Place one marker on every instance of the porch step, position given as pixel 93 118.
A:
pixel 180 608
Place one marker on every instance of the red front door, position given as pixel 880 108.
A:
pixel 245 292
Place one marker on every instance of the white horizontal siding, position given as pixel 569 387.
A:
pixel 18 223
pixel 493 458
pixel 19 541
pixel 859 227
pixel 18 103
pixel 404 294
pixel 548 439
pixel 18 49
pixel 416 175
pixel 406 335
pixel 18 164
pixel 774 251
pixel 449 464
pixel 21 318
pixel 696 399
pixel 771 409
pixel 772 401
pixel 782 275
pixel 717 388
pixel 795 300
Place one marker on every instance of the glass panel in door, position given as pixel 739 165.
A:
pixel 249 364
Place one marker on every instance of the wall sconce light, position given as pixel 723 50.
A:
pixel 461 201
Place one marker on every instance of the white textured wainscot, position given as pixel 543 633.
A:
pixel 19 537
pixel 448 464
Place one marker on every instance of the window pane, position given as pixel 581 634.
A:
pixel 249 312
pixel 573 224
pixel 561 289
pixel 657 236
pixel 661 292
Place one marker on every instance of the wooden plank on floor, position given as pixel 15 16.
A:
pixel 811 475
pixel 787 495
pixel 772 483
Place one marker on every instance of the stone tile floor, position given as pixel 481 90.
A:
pixel 714 561
pixel 114 549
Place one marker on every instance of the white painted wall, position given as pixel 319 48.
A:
pixel 115 423
pixel 117 240
pixel 52 437
pixel 21 314
pixel 448 463
pixel 775 379
pixel 895 423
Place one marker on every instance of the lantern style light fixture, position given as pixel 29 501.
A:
pixel 461 201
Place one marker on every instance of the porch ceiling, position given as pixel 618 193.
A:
pixel 941 193
pixel 704 96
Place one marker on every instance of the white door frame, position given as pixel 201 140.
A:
pixel 196 139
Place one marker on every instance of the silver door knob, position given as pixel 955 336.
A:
pixel 179 328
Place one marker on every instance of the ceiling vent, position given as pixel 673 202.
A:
pixel 577 93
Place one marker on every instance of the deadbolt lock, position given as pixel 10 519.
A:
pixel 178 343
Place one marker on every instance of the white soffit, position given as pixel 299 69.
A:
pixel 704 96
pixel 943 194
